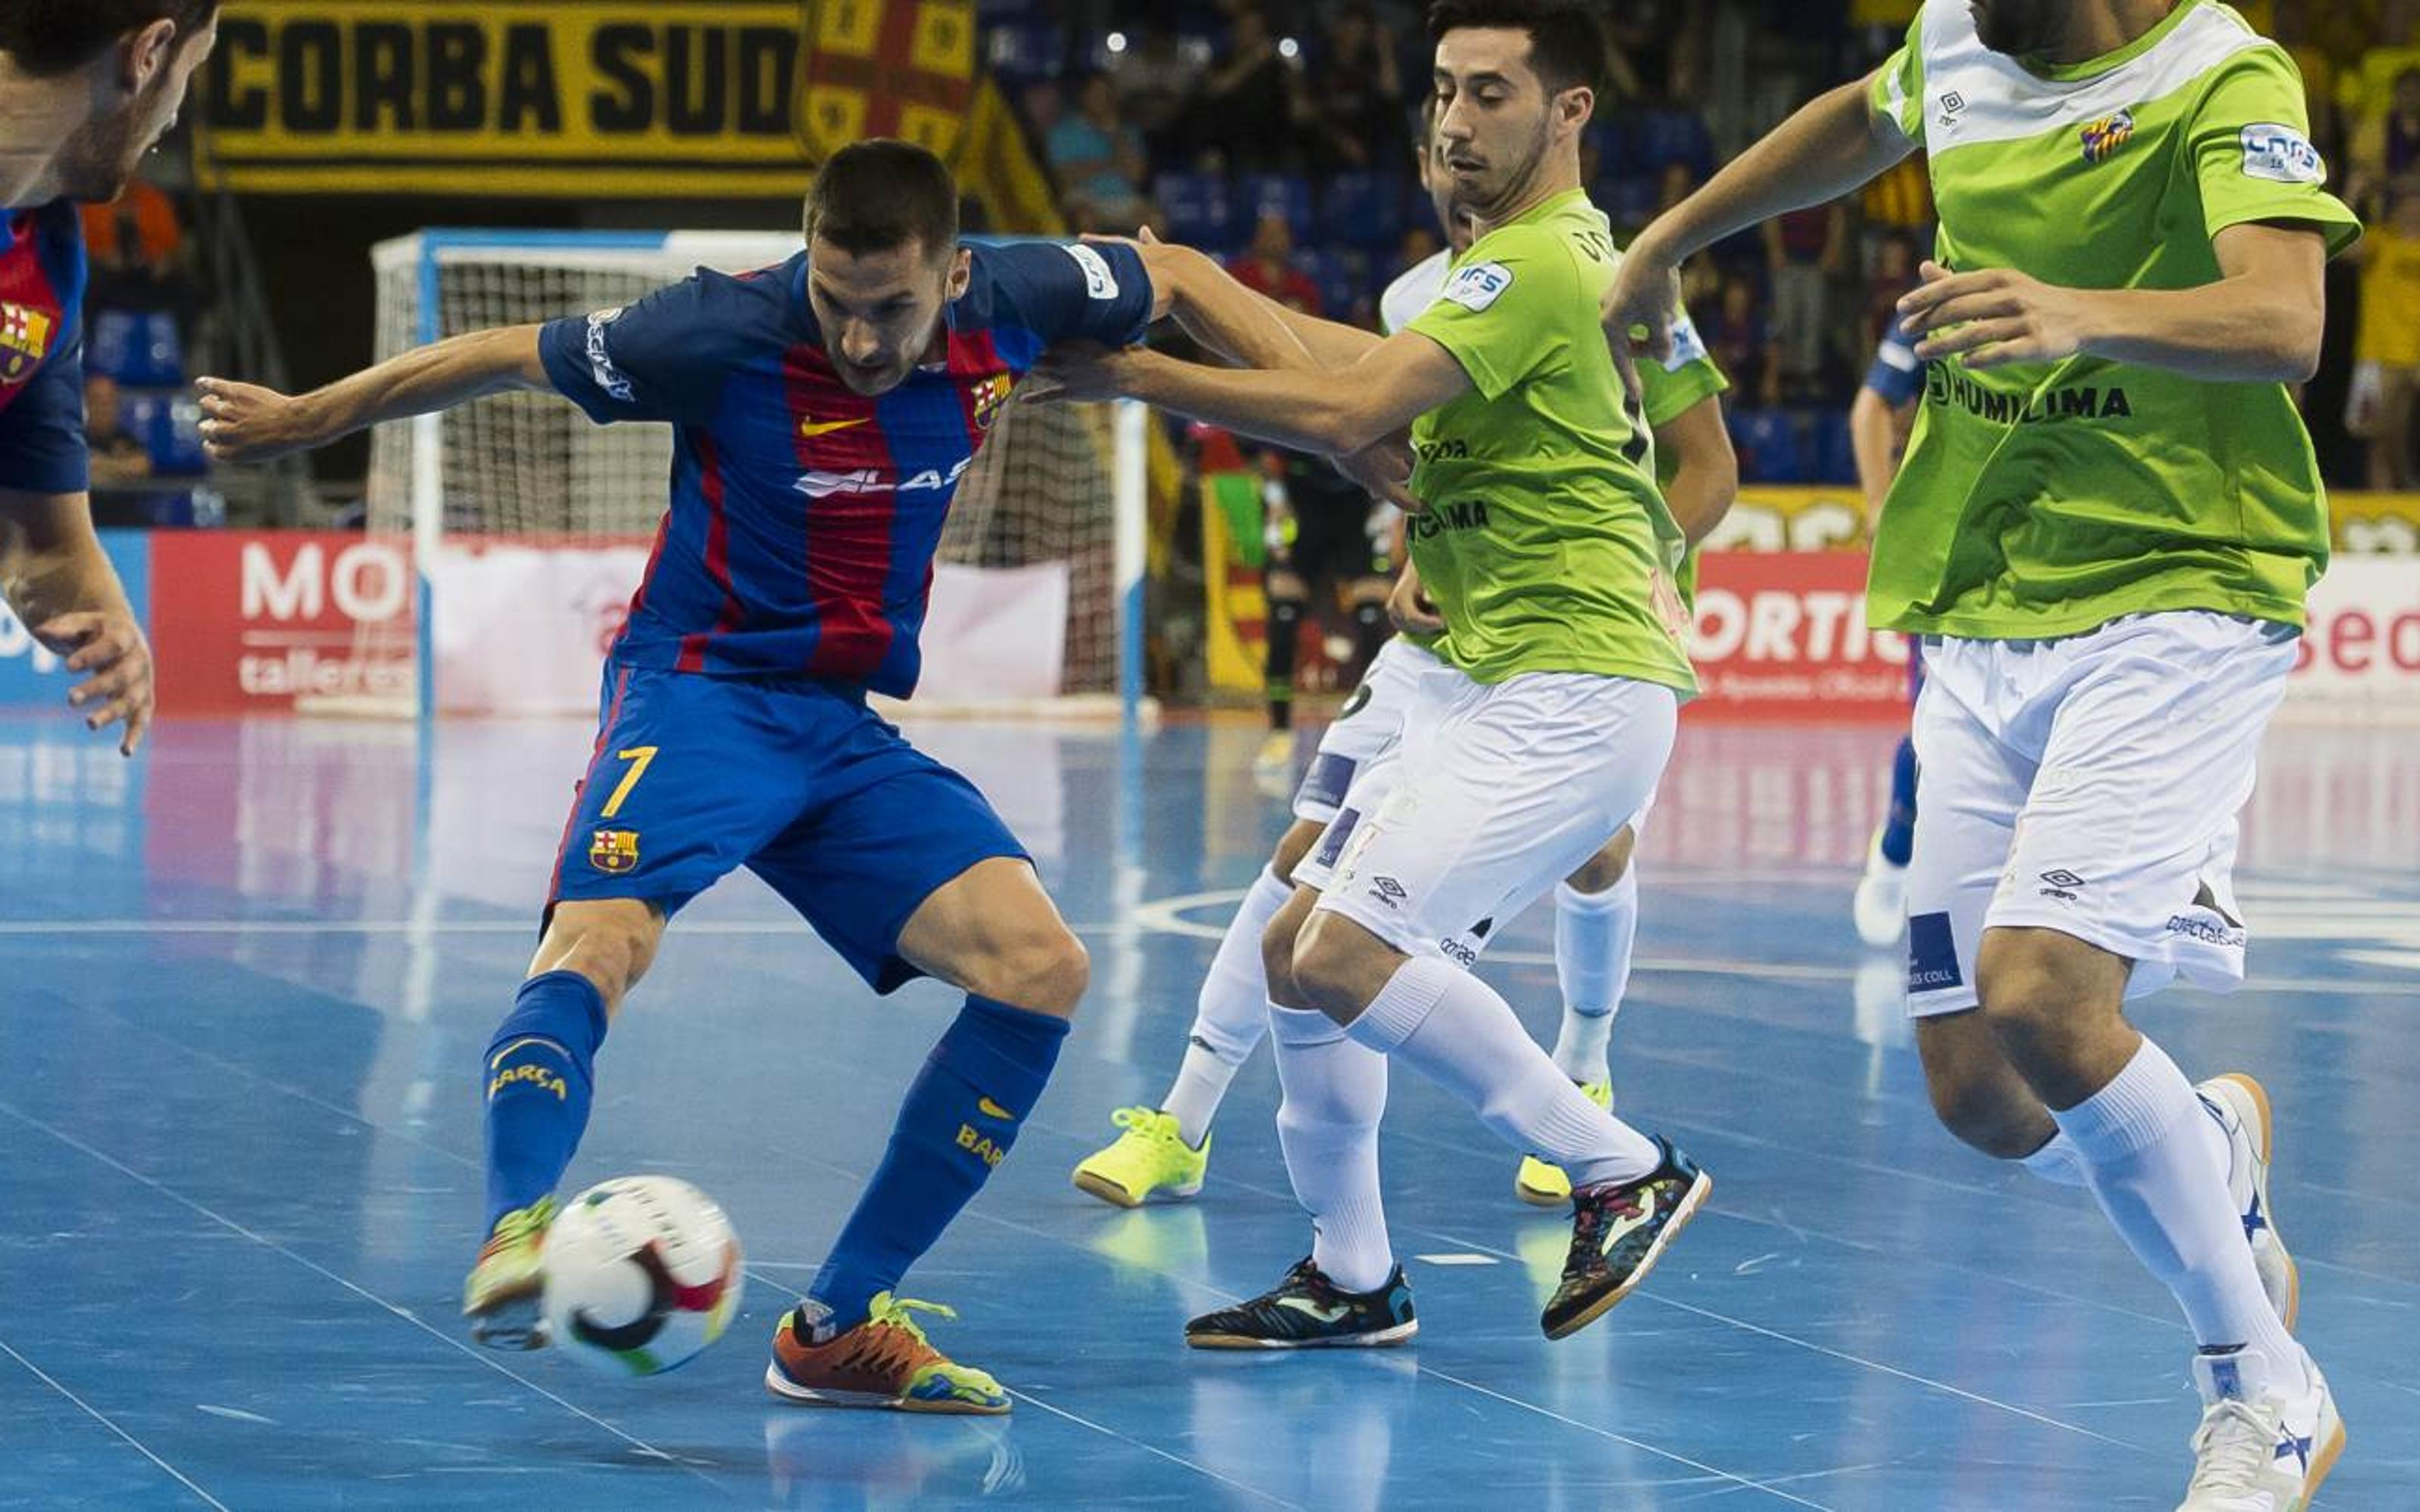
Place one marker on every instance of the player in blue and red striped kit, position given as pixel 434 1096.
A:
pixel 87 88
pixel 824 410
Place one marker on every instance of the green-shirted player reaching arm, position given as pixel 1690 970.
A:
pixel 2104 530
pixel 1549 552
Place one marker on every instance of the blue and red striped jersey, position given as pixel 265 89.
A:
pixel 42 351
pixel 805 516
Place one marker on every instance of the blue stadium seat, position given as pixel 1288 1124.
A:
pixel 1627 201
pixel 1363 209
pixel 1769 446
pixel 1287 194
pixel 1021 51
pixel 175 436
pixel 1200 212
pixel 1667 136
pixel 140 348
pixel 1834 457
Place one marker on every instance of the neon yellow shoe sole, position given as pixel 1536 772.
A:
pixel 1150 1158
pixel 505 1293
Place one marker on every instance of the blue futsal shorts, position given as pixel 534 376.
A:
pixel 794 778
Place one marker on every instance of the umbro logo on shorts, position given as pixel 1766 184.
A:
pixel 2063 884
pixel 1389 890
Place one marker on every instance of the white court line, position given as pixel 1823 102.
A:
pixel 1624 1439
pixel 983 1216
pixel 105 1421
pixel 755 1268
pixel 364 1293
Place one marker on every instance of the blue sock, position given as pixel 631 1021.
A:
pixel 538 1082
pixel 1899 830
pixel 958 1119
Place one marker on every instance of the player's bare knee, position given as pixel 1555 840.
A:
pixel 1982 1113
pixel 1339 966
pixel 1292 846
pixel 1047 973
pixel 2039 1006
pixel 1604 871
pixel 611 944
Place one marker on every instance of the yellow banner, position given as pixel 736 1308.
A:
pixel 662 99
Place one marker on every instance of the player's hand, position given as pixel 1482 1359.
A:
pixel 1410 607
pixel 1384 469
pixel 1992 317
pixel 1075 372
pixel 1636 312
pixel 246 423
pixel 108 645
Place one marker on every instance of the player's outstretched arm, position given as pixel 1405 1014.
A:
pixel 246 423
pixel 60 583
pixel 2261 322
pixel 1705 476
pixel 1246 326
pixel 1334 412
pixel 1835 143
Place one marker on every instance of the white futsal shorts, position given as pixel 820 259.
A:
pixel 2090 785
pixel 1368 727
pixel 1496 792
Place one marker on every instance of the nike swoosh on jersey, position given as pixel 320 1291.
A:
pixel 993 1110
pixel 825 428
pixel 1327 1312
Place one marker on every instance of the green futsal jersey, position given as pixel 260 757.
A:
pixel 1545 544
pixel 2045 499
pixel 1668 390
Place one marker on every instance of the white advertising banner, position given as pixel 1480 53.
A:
pixel 2361 655
pixel 522 629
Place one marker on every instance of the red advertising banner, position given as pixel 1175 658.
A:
pixel 246 621
pixel 1781 636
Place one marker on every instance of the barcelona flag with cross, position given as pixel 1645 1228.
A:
pixel 887 68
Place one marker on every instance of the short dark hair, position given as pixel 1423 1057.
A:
pixel 875 195
pixel 48 37
pixel 1567 42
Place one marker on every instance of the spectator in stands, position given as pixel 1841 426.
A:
pixel 1894 274
pixel 1155 91
pixel 2365 89
pixel 1251 107
pixel 1356 96
pixel 2386 353
pixel 1266 267
pixel 1804 251
pixel 1100 159
pixel 118 455
pixel 135 246
pixel 1741 344
pixel 2386 144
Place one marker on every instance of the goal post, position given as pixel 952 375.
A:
pixel 527 526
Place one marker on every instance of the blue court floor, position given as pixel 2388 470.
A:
pixel 246 981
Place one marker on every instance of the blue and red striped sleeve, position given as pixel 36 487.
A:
pixel 666 357
pixel 1060 291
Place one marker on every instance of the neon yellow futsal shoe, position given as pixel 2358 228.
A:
pixel 1151 1156
pixel 508 1285
pixel 1542 1185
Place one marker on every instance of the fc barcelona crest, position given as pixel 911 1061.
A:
pixel 25 340
pixel 887 68
pixel 614 851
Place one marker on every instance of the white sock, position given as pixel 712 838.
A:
pixel 2058 1163
pixel 1231 1015
pixel 2146 1160
pixel 1335 1094
pixel 1593 934
pixel 1456 1030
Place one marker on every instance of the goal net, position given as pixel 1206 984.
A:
pixel 527 526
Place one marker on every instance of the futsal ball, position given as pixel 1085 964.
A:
pixel 641 1273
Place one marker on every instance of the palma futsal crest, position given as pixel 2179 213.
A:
pixel 887 68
